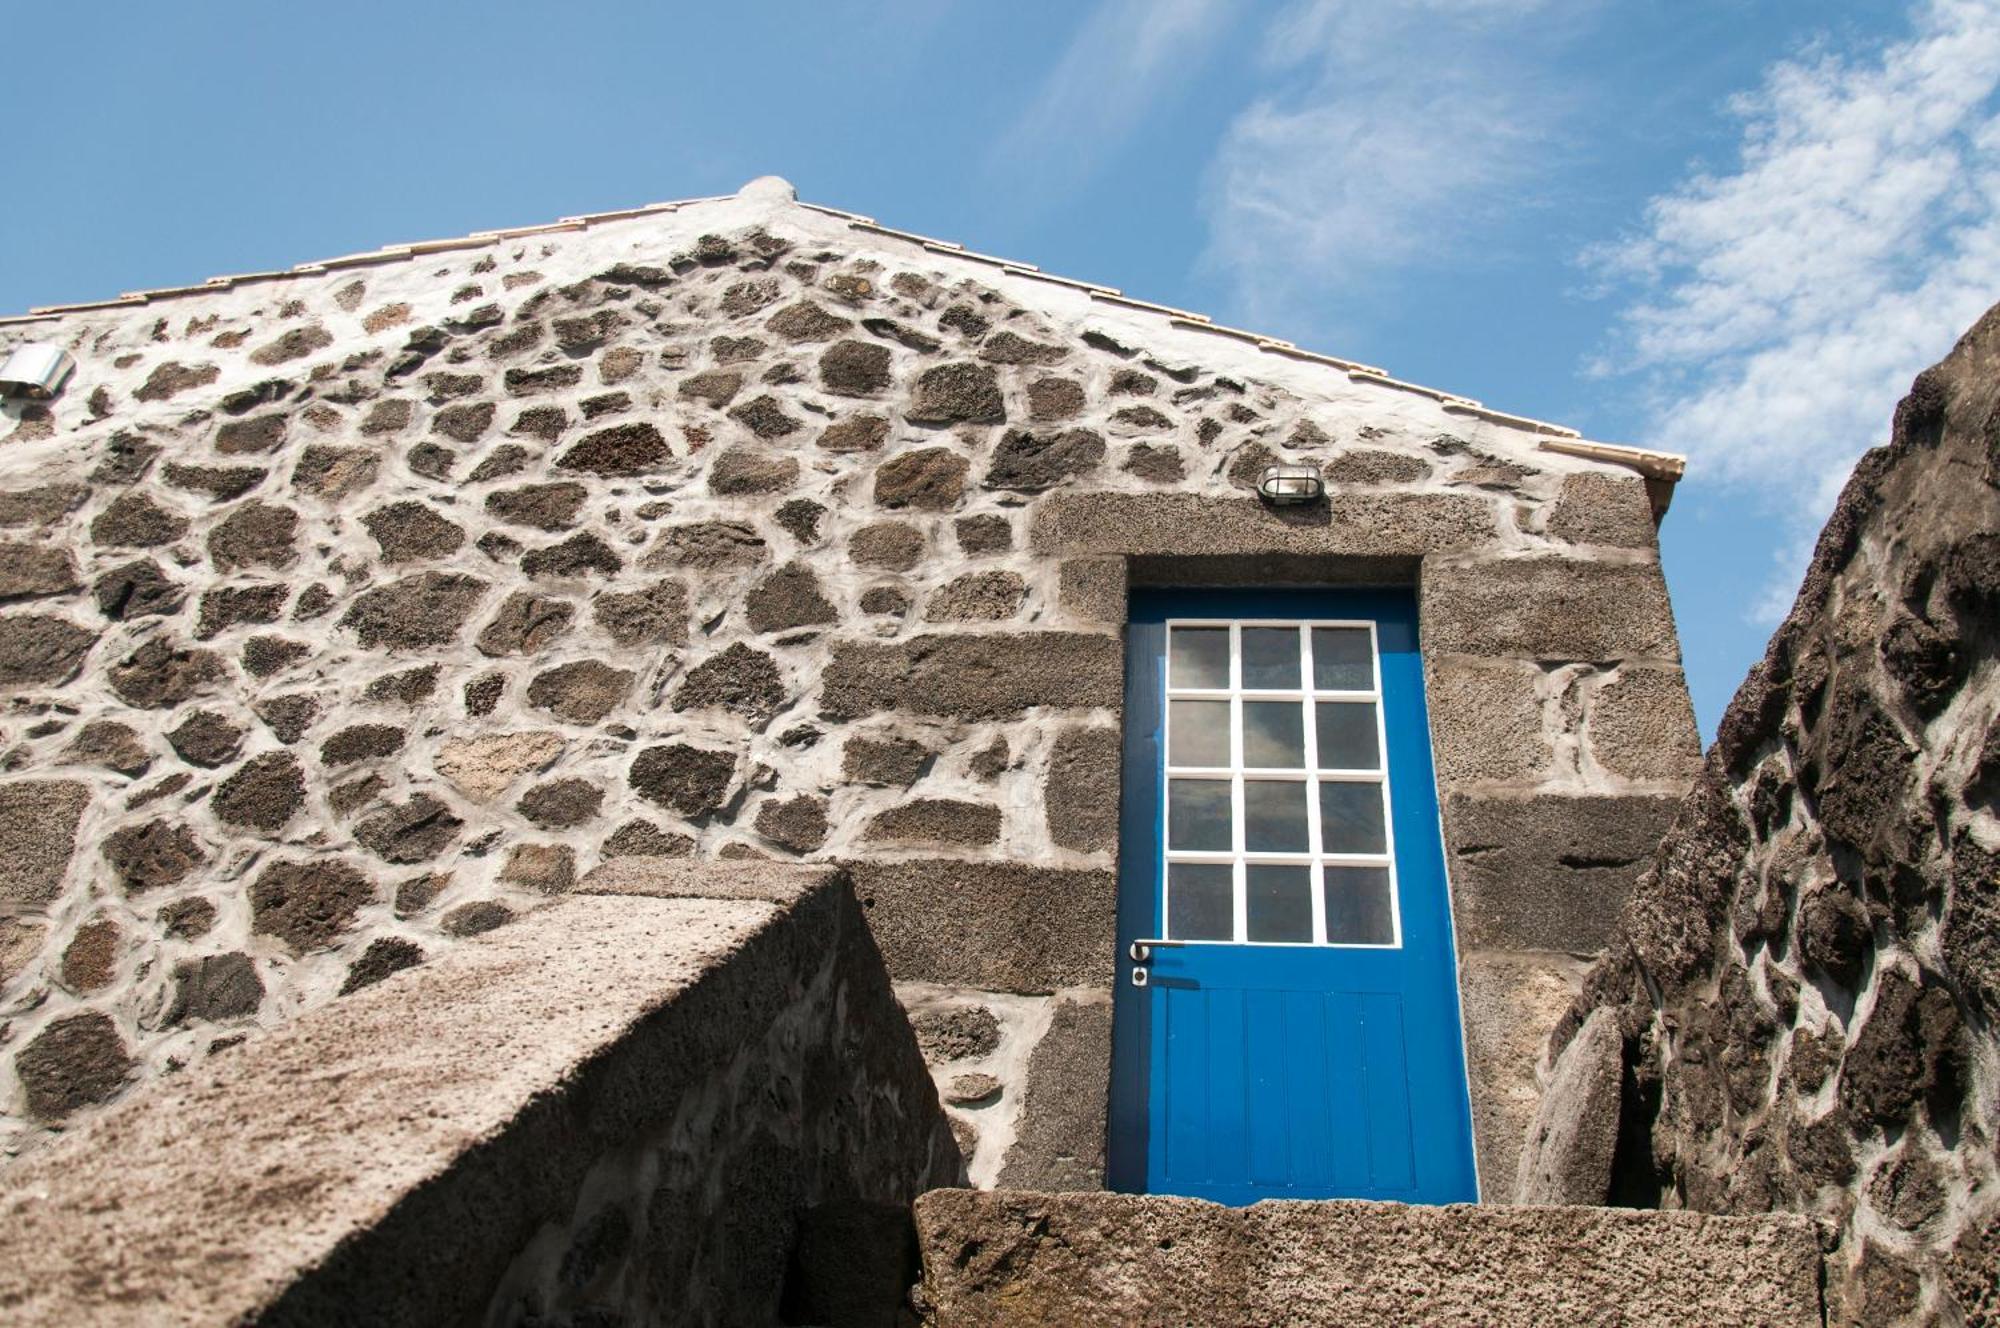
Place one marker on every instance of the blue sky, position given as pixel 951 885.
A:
pixel 1731 228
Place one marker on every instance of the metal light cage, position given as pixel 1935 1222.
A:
pixel 1289 485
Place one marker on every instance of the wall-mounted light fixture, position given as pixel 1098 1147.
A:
pixel 37 371
pixel 1287 486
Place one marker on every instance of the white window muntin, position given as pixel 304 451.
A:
pixel 1238 857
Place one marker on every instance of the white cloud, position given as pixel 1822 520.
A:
pixel 1410 124
pixel 1127 55
pixel 1777 311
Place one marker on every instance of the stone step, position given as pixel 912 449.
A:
pixel 1012 1257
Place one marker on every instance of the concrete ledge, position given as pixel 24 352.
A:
pixel 617 1107
pixel 1077 1259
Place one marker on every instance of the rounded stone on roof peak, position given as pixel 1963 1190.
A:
pixel 775 188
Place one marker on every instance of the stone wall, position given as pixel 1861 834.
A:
pixel 356 611
pixel 682 1095
pixel 1799 1012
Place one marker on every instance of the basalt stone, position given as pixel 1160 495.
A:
pixel 621 450
pixel 548 869
pixel 293 345
pixel 1365 466
pixel 1011 927
pixel 254 535
pixel 583 692
pixel 206 739
pixel 544 422
pixel 561 804
pixel 1159 463
pixel 764 417
pixel 527 382
pixel 415 830
pixel 90 960
pixel 125 459
pixel 1005 347
pixel 415 613
pixel 288 717
pixel 31 571
pixel 856 433
pixel 1142 419
pixel 1604 509
pixel 1641 725
pixel 331 474
pixel 445 387
pixel 499 547
pixel 580 334
pixel 889 762
pixel 1863 776
pixel 159 675
pixel 908 337
pixel 1060 1130
pixel 214 988
pixel 735 350
pixel 788 598
pixel 227 606
pixel 806 321
pixel 966 321
pixel 942 821
pixel 854 369
pixel 475 918
pixel 266 655
pixel 657 615
pixel 153 855
pixel 384 956
pixel 137 590
pixel 979 535
pixel 135 521
pixel 258 434
pixel 406 687
pixel 745 470
pixel 108 743
pixel 885 600
pixel 582 554
pixel 389 416
pixel 957 394
pixel 264 793
pixel 643 839
pixel 975 677
pixel 308 904
pixel 42 506
pixel 37 650
pixel 525 625
pixel 172 378
pixel 1054 399
pixel 718 387
pixel 800 518
pixel 38 822
pixel 464 423
pixel 747 297
pixel 689 780
pixel 1548 608
pixel 411 531
pixel 1080 793
pixel 504 460
pixel 361 742
pixel 222 483
pixel 894 546
pixel 187 919
pixel 798 823
pixel 741 680
pixel 709 546
pixel 541 506
pixel 977 597
pixel 1910 1050
pixel 1929 665
pixel 929 479
pixel 955 1033
pixel 77 1061
pixel 482 694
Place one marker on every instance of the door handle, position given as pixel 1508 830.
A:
pixel 1142 950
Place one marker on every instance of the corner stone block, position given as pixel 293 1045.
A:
pixel 1093 590
pixel 1547 872
pixel 1486 721
pixel 1612 510
pixel 1547 608
pixel 994 926
pixel 974 676
pixel 1512 1001
pixel 1059 1139
pixel 1641 726
pixel 38 820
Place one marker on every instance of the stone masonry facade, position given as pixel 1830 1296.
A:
pixel 1798 1012
pixel 355 611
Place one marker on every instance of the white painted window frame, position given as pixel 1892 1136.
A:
pixel 1238 857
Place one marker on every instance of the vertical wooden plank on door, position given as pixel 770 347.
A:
pixel 1386 1071
pixel 1269 1051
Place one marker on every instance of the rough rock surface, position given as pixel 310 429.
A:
pixel 1806 978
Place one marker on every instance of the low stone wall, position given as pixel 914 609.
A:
pixel 633 1109
pixel 1075 1259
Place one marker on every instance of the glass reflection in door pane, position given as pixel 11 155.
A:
pixel 1274 816
pixel 1274 735
pixel 1198 733
pixel 1279 902
pixel 1198 814
pixel 1359 909
pixel 1343 659
pixel 1271 657
pixel 1198 657
pixel 1350 817
pixel 1346 733
pixel 1201 901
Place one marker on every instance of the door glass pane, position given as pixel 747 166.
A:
pixel 1274 816
pixel 1343 659
pixel 1198 657
pixel 1358 907
pixel 1280 902
pixel 1271 657
pixel 1201 901
pixel 1198 733
pixel 1274 734
pixel 1198 814
pixel 1347 735
pixel 1350 818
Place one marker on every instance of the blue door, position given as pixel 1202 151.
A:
pixel 1286 1023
